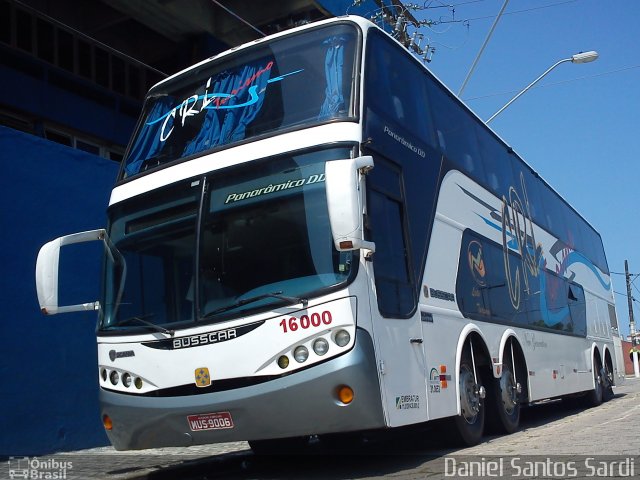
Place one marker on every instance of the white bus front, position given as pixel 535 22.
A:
pixel 231 314
pixel 234 289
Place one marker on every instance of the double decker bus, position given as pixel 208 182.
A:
pixel 311 235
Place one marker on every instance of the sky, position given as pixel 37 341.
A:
pixel 580 127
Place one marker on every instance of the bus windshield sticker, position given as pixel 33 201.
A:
pixel 252 87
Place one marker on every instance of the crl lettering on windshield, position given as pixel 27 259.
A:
pixel 196 104
pixel 294 81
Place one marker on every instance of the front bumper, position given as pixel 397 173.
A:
pixel 303 403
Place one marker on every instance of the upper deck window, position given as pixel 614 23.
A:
pixel 297 80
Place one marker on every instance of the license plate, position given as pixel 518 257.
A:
pixel 210 421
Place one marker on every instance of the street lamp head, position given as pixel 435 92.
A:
pixel 585 57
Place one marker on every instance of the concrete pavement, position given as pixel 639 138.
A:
pixel 547 429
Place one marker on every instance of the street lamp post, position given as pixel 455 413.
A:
pixel 585 57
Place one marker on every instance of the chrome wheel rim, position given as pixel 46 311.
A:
pixel 508 393
pixel 469 397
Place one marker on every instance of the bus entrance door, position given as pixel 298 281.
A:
pixel 396 322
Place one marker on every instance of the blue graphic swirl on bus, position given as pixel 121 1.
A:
pixel 215 101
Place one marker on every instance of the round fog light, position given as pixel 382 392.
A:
pixel 320 346
pixel 103 374
pixel 283 362
pixel 342 338
pixel 138 383
pixel 126 380
pixel 114 377
pixel 345 394
pixel 108 424
pixel 301 354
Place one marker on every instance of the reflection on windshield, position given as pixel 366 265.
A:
pixel 268 234
pixel 265 241
pixel 156 237
pixel 299 79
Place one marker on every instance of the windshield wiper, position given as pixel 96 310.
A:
pixel 144 322
pixel 244 301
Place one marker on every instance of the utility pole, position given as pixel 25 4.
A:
pixel 632 323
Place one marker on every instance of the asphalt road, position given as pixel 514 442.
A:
pixel 554 441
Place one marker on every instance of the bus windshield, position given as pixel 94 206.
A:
pixel 289 82
pixel 264 240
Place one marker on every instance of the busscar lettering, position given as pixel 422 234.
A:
pixel 204 339
pixel 442 295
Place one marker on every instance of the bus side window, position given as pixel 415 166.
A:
pixel 399 111
pixel 396 88
pixel 498 163
pixel 553 210
pixel 531 187
pixel 578 309
pixel 387 228
pixel 455 131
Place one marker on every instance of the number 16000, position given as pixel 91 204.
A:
pixel 305 321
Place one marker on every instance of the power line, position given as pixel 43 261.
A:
pixel 451 5
pixel 633 299
pixel 90 39
pixel 507 13
pixel 560 82
pixel 486 41
pixel 238 17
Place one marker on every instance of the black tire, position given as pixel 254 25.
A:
pixel 593 398
pixel 505 402
pixel 608 382
pixel 469 425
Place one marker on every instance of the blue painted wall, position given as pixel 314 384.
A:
pixel 48 365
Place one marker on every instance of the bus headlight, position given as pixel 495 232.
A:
pixel 126 380
pixel 301 354
pixel 114 377
pixel 342 338
pixel 283 362
pixel 320 346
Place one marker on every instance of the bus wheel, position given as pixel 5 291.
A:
pixel 505 396
pixel 607 381
pixel 594 397
pixel 469 425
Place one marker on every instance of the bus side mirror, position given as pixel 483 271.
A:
pixel 345 202
pixel 47 272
